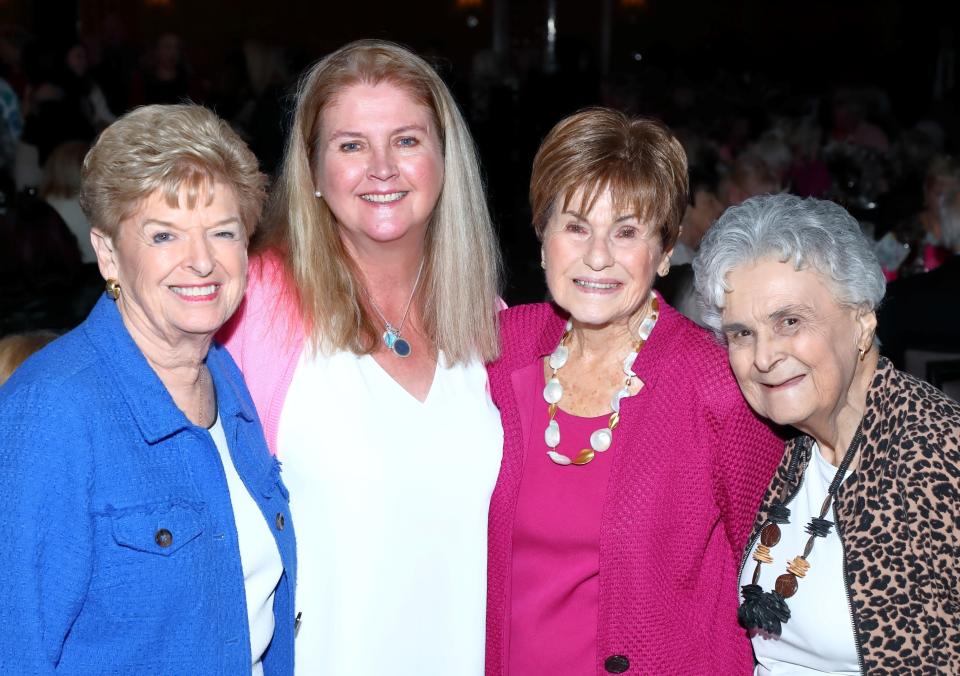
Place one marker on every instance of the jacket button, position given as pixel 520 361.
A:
pixel 616 664
pixel 281 522
pixel 163 538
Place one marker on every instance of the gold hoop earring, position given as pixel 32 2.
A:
pixel 113 288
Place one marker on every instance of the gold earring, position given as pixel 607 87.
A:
pixel 862 352
pixel 113 288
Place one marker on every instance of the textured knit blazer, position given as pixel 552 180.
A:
pixel 120 551
pixel 691 465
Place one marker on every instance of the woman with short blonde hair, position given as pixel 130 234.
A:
pixel 166 149
pixel 157 536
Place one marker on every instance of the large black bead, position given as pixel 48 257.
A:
pixel 779 513
pixel 762 611
pixel 819 527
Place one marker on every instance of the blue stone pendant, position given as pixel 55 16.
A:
pixel 396 344
pixel 401 348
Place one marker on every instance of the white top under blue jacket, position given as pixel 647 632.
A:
pixel 118 548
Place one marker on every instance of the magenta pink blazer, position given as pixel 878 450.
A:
pixel 683 493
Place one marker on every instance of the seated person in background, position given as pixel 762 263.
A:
pixel 60 188
pixel 942 175
pixel 749 176
pixel 704 207
pixel 923 311
pixel 42 284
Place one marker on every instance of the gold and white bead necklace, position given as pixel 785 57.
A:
pixel 602 438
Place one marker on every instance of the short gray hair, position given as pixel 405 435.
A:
pixel 809 232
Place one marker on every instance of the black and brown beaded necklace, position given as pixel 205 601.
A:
pixel 766 612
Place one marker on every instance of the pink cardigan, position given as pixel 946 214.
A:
pixel 265 337
pixel 683 493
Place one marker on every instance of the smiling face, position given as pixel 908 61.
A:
pixel 379 164
pixel 182 271
pixel 792 346
pixel 600 264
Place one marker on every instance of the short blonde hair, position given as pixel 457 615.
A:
pixel 638 159
pixel 461 274
pixel 169 148
pixel 15 348
pixel 61 171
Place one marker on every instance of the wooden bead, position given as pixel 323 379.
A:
pixel 786 585
pixel 762 555
pixel 770 535
pixel 798 566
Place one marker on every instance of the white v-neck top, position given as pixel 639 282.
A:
pixel 390 496
pixel 818 638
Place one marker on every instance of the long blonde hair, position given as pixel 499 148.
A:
pixel 461 275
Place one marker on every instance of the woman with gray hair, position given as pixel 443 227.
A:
pixel 852 566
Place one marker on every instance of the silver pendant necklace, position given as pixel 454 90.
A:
pixel 391 334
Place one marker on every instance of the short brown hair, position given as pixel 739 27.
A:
pixel 167 148
pixel 638 159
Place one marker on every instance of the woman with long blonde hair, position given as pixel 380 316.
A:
pixel 370 313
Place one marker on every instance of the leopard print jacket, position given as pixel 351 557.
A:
pixel 898 517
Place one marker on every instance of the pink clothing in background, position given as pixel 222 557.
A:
pixel 691 464
pixel 556 543
pixel 265 337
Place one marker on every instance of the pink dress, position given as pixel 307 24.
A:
pixel 556 545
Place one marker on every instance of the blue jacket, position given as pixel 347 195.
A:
pixel 95 460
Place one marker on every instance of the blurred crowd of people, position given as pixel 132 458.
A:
pixel 745 133
pixel 54 100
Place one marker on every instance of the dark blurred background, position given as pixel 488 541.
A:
pixel 855 101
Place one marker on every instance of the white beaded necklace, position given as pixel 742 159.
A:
pixel 602 438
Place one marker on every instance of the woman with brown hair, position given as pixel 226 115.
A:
pixel 631 461
pixel 363 335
